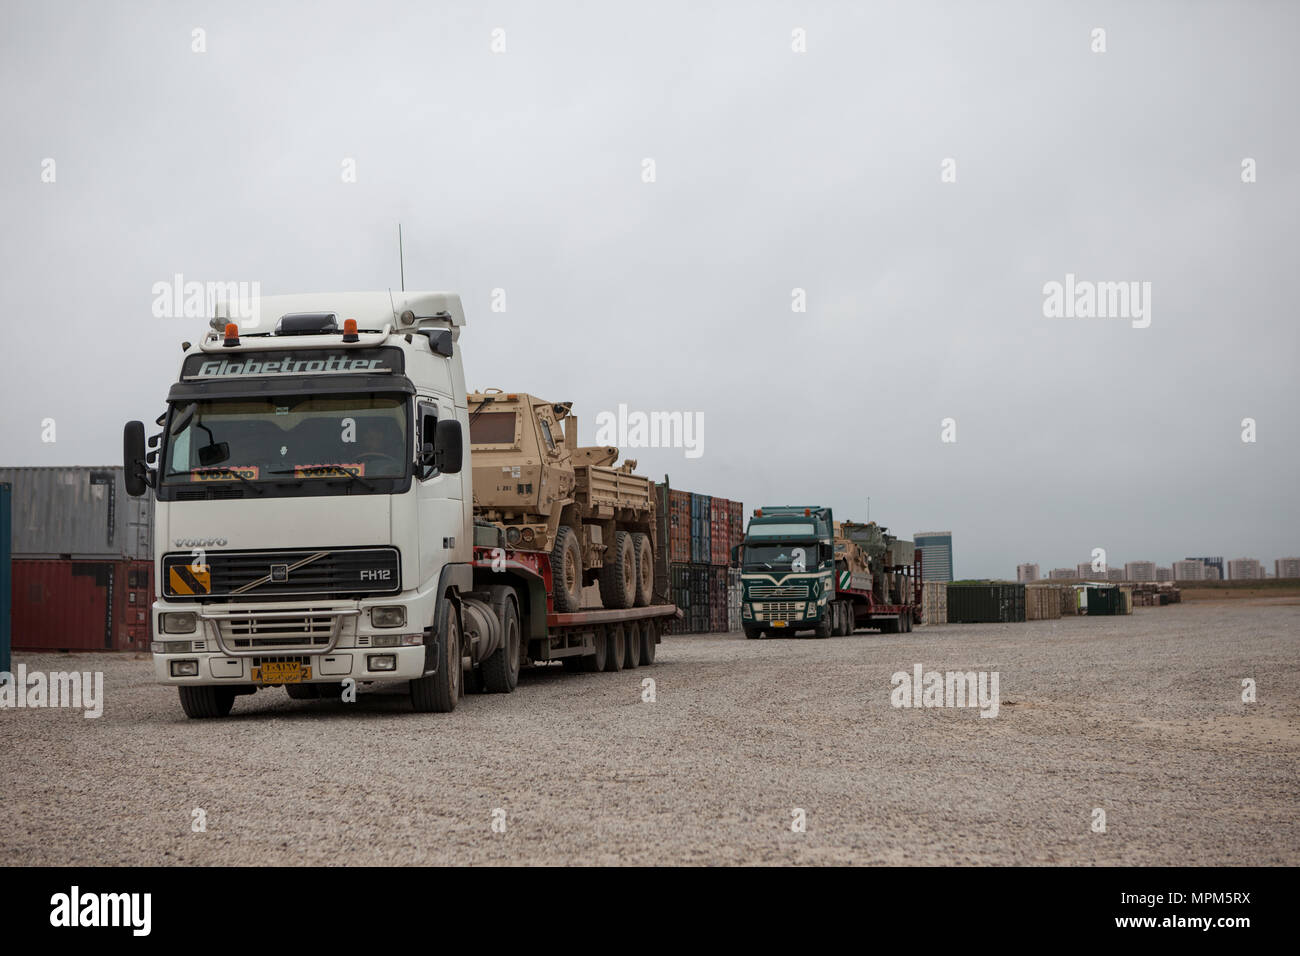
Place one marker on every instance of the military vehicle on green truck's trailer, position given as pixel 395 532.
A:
pixel 801 570
pixel 545 493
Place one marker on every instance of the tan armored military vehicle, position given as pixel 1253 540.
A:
pixel 546 494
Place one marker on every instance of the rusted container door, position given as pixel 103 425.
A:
pixel 135 632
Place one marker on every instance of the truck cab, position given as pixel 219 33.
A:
pixel 314 509
pixel 787 570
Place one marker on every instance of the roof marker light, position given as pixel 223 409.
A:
pixel 232 335
pixel 350 331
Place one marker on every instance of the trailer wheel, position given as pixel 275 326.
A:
pixel 201 703
pixel 645 569
pixel 632 645
pixel 618 574
pixel 439 691
pixel 595 661
pixel 566 571
pixel 617 642
pixel 501 670
pixel 649 638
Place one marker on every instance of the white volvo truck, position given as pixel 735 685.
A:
pixel 314 520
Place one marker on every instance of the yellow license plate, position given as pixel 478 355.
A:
pixel 282 672
pixel 778 623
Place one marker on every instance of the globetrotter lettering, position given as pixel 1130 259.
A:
pixel 288 366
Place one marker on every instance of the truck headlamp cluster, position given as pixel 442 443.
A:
pixel 512 536
pixel 171 647
pixel 397 640
pixel 177 622
pixel 391 616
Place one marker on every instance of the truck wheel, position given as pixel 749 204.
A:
pixel 632 645
pixel 205 702
pixel 618 575
pixel 303 691
pixel 438 692
pixel 595 661
pixel 649 638
pixel 566 571
pixel 501 669
pixel 645 569
pixel 617 648
pixel 823 628
pixel 907 622
pixel 753 633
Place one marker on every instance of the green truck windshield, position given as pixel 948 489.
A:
pixel 779 557
pixel 785 529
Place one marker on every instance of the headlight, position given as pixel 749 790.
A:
pixel 185 668
pixel 397 640
pixel 381 662
pixel 512 536
pixel 388 616
pixel 178 622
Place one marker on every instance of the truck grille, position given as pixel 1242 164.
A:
pixel 779 606
pixel 793 591
pixel 275 574
pixel 252 632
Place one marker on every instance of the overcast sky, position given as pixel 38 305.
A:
pixel 523 170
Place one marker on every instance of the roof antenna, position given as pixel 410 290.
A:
pixel 401 256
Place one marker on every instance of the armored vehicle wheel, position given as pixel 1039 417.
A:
pixel 205 702
pixel 501 669
pixel 632 644
pixel 566 571
pixel 617 648
pixel 596 661
pixel 618 575
pixel 649 638
pixel 645 569
pixel 439 691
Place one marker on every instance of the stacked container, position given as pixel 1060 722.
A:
pixel 1042 602
pixel 696 535
pixel 986 603
pixel 81 574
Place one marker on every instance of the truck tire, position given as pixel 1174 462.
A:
pixel 632 645
pixel 752 632
pixel 824 626
pixel 618 574
pixel 649 638
pixel 303 691
pixel 617 639
pixel 438 692
pixel 501 669
pixel 566 571
pixel 595 661
pixel 201 703
pixel 645 569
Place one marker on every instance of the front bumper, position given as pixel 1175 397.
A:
pixel 357 663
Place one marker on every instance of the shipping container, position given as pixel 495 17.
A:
pixel 736 531
pixel 985 603
pixel 1069 600
pixel 1104 600
pixel 77 512
pixel 701 528
pixel 82 605
pixel 1042 602
pixel 934 602
pixel 720 532
pixel 700 590
pixel 6 495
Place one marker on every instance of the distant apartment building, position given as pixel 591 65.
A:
pixel 1026 573
pixel 1286 568
pixel 1114 574
pixel 1244 569
pixel 936 561
pixel 1061 574
pixel 1163 574
pixel 1085 571
pixel 1189 569
pixel 1215 563
pixel 1212 574
pixel 1140 571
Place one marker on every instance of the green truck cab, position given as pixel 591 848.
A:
pixel 787 571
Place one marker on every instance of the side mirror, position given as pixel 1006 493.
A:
pixel 448 446
pixel 735 556
pixel 133 468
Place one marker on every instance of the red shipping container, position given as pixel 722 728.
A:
pixel 737 519
pixel 679 526
pixel 720 533
pixel 61 605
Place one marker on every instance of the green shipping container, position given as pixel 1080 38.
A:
pixel 990 603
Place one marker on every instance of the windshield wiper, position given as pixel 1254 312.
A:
pixel 221 471
pixel 343 473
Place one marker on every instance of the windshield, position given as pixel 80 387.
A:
pixel 780 557
pixel 288 438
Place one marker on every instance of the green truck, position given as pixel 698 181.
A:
pixel 800 571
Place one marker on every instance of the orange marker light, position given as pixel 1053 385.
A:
pixel 350 330
pixel 232 335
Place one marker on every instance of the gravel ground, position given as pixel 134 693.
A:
pixel 1140 716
